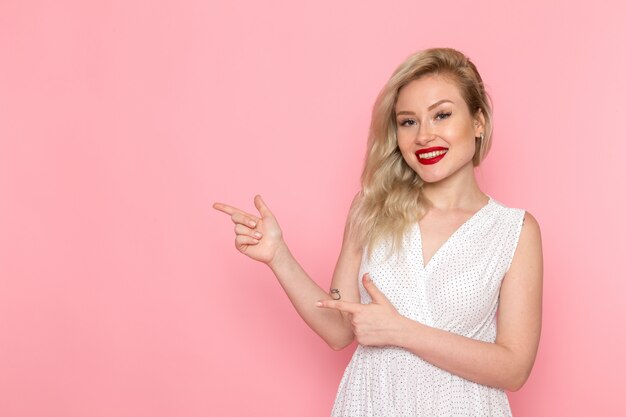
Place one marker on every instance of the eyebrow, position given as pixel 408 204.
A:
pixel 432 106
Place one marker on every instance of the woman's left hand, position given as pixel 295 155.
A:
pixel 374 324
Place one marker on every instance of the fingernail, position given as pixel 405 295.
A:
pixel 252 224
pixel 319 304
pixel 258 234
pixel 368 278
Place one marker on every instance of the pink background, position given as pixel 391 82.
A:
pixel 121 122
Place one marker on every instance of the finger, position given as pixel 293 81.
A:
pixel 372 290
pixel 340 305
pixel 240 229
pixel 241 241
pixel 231 211
pixel 248 220
pixel 262 207
pixel 225 208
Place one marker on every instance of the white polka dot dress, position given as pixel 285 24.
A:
pixel 456 291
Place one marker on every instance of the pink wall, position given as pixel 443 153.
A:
pixel 121 122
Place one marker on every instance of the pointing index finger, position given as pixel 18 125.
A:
pixel 340 305
pixel 230 210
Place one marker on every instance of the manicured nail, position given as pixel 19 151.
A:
pixel 258 235
pixel 368 278
pixel 252 223
pixel 319 304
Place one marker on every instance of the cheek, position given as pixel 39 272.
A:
pixel 407 152
pixel 460 136
pixel 464 152
pixel 404 143
pixel 458 130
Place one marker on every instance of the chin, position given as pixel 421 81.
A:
pixel 431 178
pixel 432 181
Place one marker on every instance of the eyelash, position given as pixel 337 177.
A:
pixel 446 114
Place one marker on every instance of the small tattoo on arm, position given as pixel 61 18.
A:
pixel 334 294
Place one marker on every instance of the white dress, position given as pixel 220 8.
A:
pixel 457 291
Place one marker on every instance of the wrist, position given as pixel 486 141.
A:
pixel 280 258
pixel 404 330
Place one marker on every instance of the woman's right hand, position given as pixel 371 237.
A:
pixel 260 238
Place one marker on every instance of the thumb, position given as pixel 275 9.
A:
pixel 376 294
pixel 262 207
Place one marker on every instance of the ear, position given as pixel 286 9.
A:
pixel 479 122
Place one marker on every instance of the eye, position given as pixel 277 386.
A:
pixel 442 115
pixel 407 122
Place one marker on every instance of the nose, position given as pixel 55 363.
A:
pixel 424 134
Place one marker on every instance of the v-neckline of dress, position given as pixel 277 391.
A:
pixel 450 238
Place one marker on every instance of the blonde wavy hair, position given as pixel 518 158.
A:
pixel 390 199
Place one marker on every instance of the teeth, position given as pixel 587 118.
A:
pixel 432 154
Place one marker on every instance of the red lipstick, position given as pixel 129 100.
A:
pixel 430 161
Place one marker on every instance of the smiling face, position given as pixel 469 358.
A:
pixel 431 113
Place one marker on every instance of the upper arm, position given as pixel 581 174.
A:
pixel 345 277
pixel 519 316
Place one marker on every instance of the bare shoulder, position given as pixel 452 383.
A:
pixel 530 235
pixel 356 200
pixel 528 258
pixel 350 241
pixel 531 221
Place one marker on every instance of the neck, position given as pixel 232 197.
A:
pixel 457 192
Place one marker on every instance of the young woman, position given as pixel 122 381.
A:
pixel 437 257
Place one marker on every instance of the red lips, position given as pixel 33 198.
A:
pixel 430 161
pixel 426 150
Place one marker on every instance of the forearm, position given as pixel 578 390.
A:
pixel 481 362
pixel 303 292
